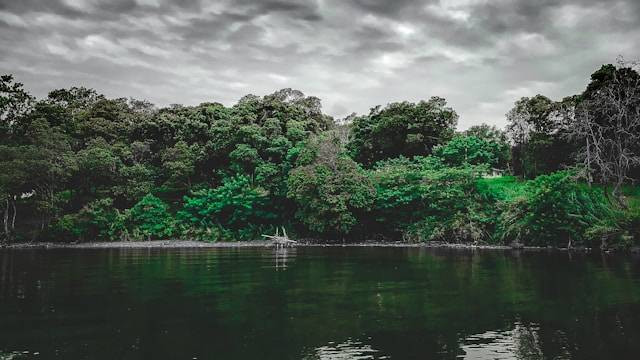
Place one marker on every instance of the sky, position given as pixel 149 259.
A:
pixel 481 55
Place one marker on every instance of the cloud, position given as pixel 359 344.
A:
pixel 480 55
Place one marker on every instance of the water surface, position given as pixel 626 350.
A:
pixel 316 303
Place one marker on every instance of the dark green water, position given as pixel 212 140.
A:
pixel 317 303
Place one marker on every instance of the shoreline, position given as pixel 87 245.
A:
pixel 175 244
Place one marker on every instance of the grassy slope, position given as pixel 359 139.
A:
pixel 501 187
pixel 633 196
pixel 509 187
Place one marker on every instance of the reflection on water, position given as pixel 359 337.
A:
pixel 521 343
pixel 316 303
pixel 15 355
pixel 348 350
pixel 282 255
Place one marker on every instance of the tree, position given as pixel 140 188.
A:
pixel 150 218
pixel 488 133
pixel 607 124
pixel 179 162
pixel 103 220
pixel 14 179
pixel 98 165
pixel 329 188
pixel 472 150
pixel 15 104
pixel 36 167
pixel 51 164
pixel 536 129
pixel 234 210
pixel 556 210
pixel 404 128
pixel 423 199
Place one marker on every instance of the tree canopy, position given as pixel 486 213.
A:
pixel 79 166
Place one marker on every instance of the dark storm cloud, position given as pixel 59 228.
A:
pixel 481 55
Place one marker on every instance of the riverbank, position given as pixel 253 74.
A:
pixel 261 243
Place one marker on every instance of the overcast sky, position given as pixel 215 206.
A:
pixel 481 55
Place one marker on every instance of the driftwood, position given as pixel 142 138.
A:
pixel 280 241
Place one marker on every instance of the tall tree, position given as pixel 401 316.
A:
pixel 15 106
pixel 331 190
pixel 607 123
pixel 536 130
pixel 404 128
pixel 15 103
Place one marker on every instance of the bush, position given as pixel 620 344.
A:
pixel 331 198
pixel 150 218
pixel 233 211
pixel 556 210
pixel 423 200
pixel 102 221
pixel 471 150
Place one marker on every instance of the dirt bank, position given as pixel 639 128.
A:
pixel 256 243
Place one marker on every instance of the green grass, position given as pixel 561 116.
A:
pixel 501 187
pixel 509 187
pixel 632 192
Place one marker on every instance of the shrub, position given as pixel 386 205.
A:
pixel 233 211
pixel 422 200
pixel 331 198
pixel 472 150
pixel 102 221
pixel 556 210
pixel 150 218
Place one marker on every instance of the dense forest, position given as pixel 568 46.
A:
pixel 78 166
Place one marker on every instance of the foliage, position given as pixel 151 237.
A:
pixel 234 210
pixel 423 199
pixel 536 128
pixel 102 221
pixel 15 103
pixel 556 210
pixel 500 188
pixel 607 123
pixel 488 133
pixel 77 165
pixel 404 128
pixel 150 218
pixel 472 150
pixel 331 190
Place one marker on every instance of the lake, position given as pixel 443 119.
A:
pixel 317 303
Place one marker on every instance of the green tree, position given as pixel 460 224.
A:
pixel 422 199
pixel 331 191
pixel 404 128
pixel 100 220
pixel 233 211
pixel 179 162
pixel 488 133
pixel 150 219
pixel 540 145
pixel 556 210
pixel 472 150
pixel 15 104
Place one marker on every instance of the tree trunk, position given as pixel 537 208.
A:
pixel 589 176
pixel 13 218
pixel 6 220
pixel 618 196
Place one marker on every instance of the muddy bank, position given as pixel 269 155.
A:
pixel 262 243
pixel 138 244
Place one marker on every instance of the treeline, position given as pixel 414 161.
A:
pixel 78 166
